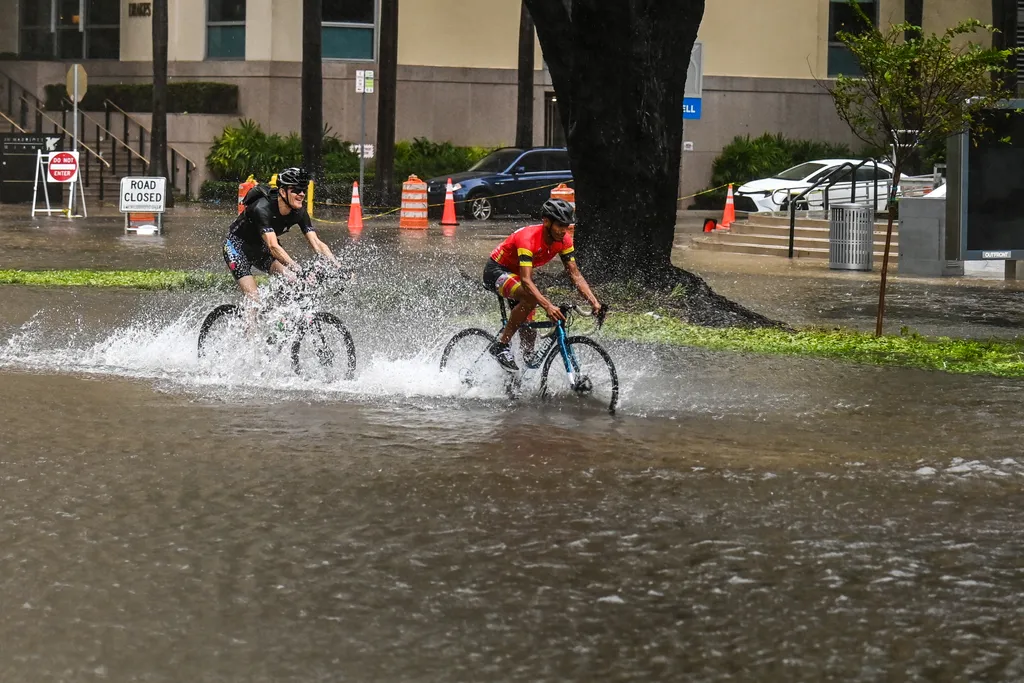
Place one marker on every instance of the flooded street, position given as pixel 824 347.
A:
pixel 741 518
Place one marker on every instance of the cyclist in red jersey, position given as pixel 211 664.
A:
pixel 509 272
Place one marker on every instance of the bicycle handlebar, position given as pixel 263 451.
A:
pixel 573 308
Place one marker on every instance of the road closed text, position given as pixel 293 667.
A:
pixel 143 194
pixel 147 191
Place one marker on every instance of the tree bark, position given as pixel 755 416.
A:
pixel 619 69
pixel 387 99
pixel 312 87
pixel 524 102
pixel 158 133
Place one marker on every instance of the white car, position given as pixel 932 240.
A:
pixel 773 194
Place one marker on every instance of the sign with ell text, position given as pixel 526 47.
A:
pixel 143 195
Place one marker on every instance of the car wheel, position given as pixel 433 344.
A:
pixel 480 207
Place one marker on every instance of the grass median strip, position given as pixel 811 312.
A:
pixel 134 279
pixel 1001 358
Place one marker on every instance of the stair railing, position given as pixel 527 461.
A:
pixel 131 127
pixel 91 155
pixel 828 180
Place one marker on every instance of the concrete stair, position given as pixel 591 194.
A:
pixel 769 235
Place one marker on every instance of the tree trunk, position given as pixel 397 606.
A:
pixel 880 319
pixel 312 87
pixel 619 69
pixel 524 108
pixel 387 99
pixel 158 133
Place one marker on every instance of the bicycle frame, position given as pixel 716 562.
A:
pixel 556 337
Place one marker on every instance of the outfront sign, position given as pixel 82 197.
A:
pixel 143 195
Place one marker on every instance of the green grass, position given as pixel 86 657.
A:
pixel 1001 358
pixel 134 279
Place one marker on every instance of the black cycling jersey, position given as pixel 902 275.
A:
pixel 264 216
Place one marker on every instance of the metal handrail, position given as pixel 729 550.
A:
pixel 828 177
pixel 139 124
pixel 172 171
pixel 109 133
pixel 9 120
pixel 11 84
pixel 57 126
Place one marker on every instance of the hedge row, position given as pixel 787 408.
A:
pixel 191 97
pixel 336 189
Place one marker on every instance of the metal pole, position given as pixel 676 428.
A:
pixel 74 144
pixel 362 139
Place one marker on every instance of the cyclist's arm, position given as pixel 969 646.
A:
pixel 320 248
pixel 277 251
pixel 580 282
pixel 526 278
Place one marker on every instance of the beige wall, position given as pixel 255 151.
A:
pixel 482 34
pixel 136 37
pixel 186 30
pixel 942 14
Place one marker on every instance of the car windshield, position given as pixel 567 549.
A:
pixel 496 162
pixel 800 172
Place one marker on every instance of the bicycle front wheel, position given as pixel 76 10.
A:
pixel 323 350
pixel 220 331
pixel 590 377
pixel 466 358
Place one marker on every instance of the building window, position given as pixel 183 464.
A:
pixel 55 29
pixel 842 17
pixel 225 29
pixel 349 29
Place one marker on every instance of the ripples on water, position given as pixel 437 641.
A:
pixel 745 518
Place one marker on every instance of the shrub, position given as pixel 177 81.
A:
pixel 194 97
pixel 745 159
pixel 429 159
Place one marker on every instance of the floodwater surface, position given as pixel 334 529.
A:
pixel 741 517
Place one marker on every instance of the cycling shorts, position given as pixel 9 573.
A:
pixel 502 281
pixel 241 258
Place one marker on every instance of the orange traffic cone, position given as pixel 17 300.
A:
pixel 710 224
pixel 729 216
pixel 355 211
pixel 449 206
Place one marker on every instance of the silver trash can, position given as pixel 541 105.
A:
pixel 851 237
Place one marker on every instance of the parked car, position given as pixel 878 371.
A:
pixel 773 194
pixel 508 180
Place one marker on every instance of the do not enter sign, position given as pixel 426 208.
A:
pixel 63 167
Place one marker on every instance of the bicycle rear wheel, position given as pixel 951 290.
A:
pixel 220 331
pixel 590 378
pixel 323 350
pixel 466 357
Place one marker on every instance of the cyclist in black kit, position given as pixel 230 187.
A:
pixel 252 237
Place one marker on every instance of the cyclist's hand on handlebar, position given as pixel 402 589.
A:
pixel 599 312
pixel 554 312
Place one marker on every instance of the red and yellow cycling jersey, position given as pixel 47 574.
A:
pixel 526 247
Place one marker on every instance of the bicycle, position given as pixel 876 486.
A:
pixel 590 372
pixel 288 318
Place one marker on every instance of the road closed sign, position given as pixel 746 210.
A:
pixel 63 167
pixel 143 195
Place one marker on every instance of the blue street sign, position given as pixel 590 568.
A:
pixel 691 107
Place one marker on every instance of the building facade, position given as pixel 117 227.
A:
pixel 762 63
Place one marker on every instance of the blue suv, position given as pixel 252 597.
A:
pixel 508 180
